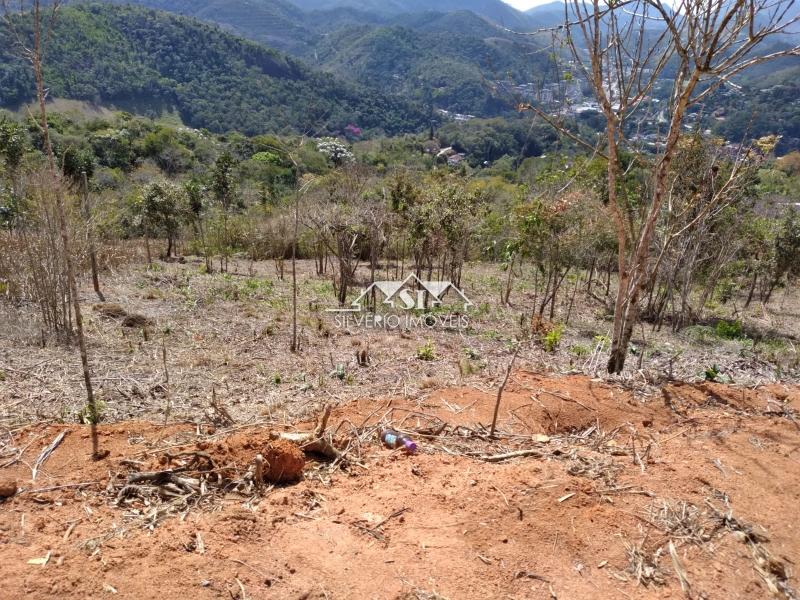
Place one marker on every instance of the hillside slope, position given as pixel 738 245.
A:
pixel 433 63
pixel 275 23
pixel 145 60
pixel 495 10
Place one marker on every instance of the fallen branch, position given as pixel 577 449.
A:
pixel 314 441
pixel 510 455
pixel 46 454
pixel 310 443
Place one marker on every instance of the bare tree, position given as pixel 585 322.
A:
pixel 33 50
pixel 623 49
pixel 339 216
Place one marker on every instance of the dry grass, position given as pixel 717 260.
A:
pixel 229 335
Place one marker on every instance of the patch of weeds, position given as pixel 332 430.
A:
pixel 701 334
pixel 552 338
pixel 155 267
pixel 225 290
pixel 602 342
pixel 187 296
pixel 277 379
pixel 426 351
pixel 482 310
pixel 2 375
pixel 321 288
pixel 580 350
pixel 253 287
pixel 772 349
pixel 492 335
pixel 339 372
pixel 729 330
pixel 715 374
pixel 278 303
pixel 92 416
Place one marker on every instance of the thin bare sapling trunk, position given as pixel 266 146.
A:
pixel 34 53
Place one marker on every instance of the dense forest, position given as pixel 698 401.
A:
pixel 148 62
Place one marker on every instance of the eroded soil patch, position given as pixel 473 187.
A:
pixel 617 498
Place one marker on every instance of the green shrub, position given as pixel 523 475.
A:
pixel 426 351
pixel 553 338
pixel 729 330
pixel 92 416
pixel 580 350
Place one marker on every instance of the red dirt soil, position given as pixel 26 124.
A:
pixel 439 524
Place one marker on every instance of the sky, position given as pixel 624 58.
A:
pixel 526 4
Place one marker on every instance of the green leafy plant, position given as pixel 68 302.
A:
pixel 553 338
pixel 711 373
pixel 426 351
pixel 580 350
pixel 714 373
pixel 729 330
pixel 340 373
pixel 472 354
pixel 89 415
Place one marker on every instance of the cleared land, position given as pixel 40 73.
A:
pixel 630 487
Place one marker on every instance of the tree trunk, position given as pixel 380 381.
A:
pixel 90 237
pixel 752 289
pixel 36 60
pixel 293 346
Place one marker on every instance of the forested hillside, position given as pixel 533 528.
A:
pixel 147 61
pixel 452 71
pixel 495 10
pixel 275 23
pixel 446 54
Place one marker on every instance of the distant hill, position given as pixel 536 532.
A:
pixel 434 65
pixel 447 59
pixel 275 23
pixel 495 10
pixel 546 15
pixel 149 61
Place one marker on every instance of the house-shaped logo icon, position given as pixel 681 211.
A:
pixel 409 294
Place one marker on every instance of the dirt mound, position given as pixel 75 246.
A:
pixel 284 461
pixel 236 454
pixel 8 487
pixel 531 404
pixel 775 399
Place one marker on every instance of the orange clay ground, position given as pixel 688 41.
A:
pixel 691 493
